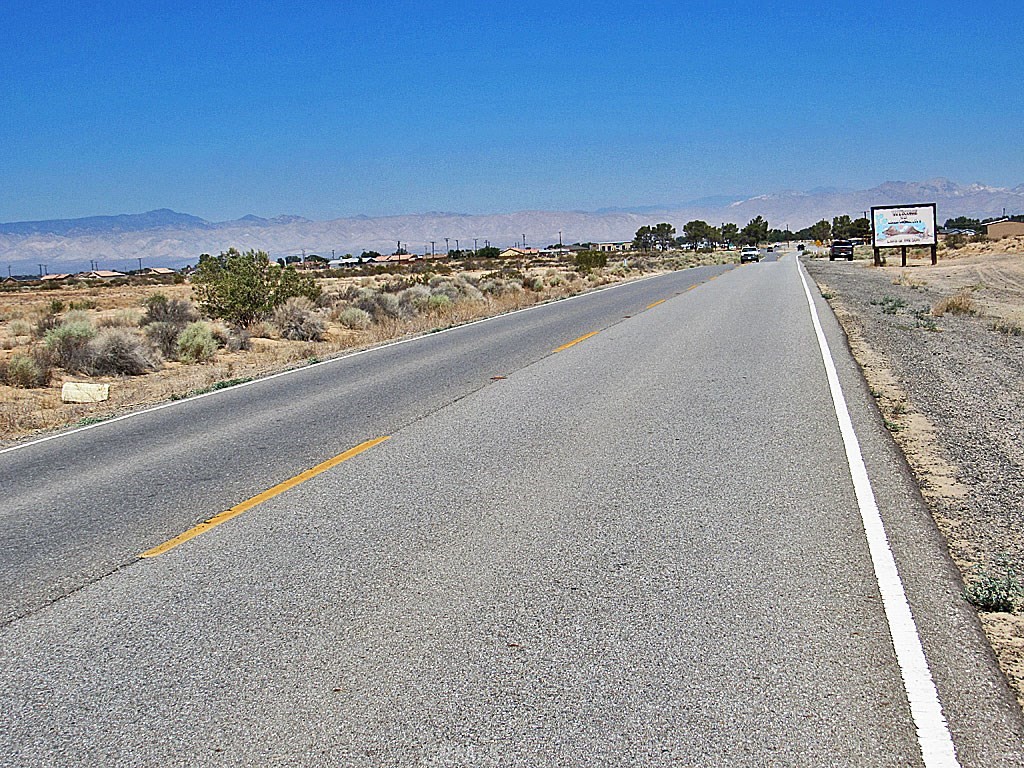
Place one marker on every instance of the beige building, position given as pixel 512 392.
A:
pixel 518 253
pixel 1004 228
pixel 611 247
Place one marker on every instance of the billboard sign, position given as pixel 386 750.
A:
pixel 903 225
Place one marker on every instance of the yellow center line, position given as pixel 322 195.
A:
pixel 268 494
pixel 652 306
pixel 584 337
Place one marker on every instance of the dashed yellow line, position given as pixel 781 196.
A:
pixel 268 494
pixel 652 306
pixel 574 342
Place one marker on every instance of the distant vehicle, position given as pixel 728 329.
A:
pixel 857 241
pixel 800 247
pixel 770 249
pixel 749 253
pixel 841 249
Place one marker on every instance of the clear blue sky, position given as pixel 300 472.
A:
pixel 331 109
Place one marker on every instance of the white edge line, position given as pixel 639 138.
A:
pixel 932 730
pixel 172 403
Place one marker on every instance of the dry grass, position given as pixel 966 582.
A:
pixel 961 303
pixel 908 280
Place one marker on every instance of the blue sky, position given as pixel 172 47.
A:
pixel 333 109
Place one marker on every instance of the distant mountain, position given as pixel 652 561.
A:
pixel 125 222
pixel 168 238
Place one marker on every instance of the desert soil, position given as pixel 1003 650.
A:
pixel 950 386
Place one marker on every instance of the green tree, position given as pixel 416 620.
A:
pixel 245 287
pixel 842 227
pixel 664 235
pixel 755 232
pixel 730 233
pixel 963 222
pixel 821 230
pixel 644 239
pixel 696 232
pixel 861 228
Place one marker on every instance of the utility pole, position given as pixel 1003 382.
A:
pixel 474 246
pixel 559 238
pixel 447 250
pixel 457 246
pixel 524 241
pixel 431 249
pixel 140 265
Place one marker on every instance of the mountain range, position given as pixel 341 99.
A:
pixel 168 238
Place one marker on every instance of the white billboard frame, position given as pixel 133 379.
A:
pixel 904 224
pixel 906 228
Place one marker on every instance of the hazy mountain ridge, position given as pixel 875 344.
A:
pixel 167 238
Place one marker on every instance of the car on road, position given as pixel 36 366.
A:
pixel 749 253
pixel 841 249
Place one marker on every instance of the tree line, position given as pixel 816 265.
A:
pixel 699 234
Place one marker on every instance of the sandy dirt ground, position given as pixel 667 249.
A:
pixel 942 348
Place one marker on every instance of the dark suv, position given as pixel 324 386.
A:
pixel 841 249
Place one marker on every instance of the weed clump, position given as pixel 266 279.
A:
pixel 119 352
pixel 994 590
pixel 958 304
pixel 26 371
pixel 355 318
pixel 196 343
pixel 160 309
pixel 890 304
pixel 296 320
pixel 69 344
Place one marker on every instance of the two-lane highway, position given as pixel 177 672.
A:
pixel 78 507
pixel 648 547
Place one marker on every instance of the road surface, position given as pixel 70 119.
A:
pixel 617 530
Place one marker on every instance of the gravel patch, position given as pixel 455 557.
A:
pixel 951 389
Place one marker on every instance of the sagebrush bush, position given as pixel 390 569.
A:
pixel 19 328
pixel 120 352
pixel 69 342
pixel 47 323
pixel 439 302
pixel 260 330
pixel 355 318
pixel 26 371
pixel 160 309
pixel 296 320
pixel 413 300
pixel 164 336
pixel 379 305
pixel 589 260
pixel 196 343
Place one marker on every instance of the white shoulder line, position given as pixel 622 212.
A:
pixel 932 730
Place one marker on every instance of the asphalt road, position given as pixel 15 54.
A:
pixel 643 549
